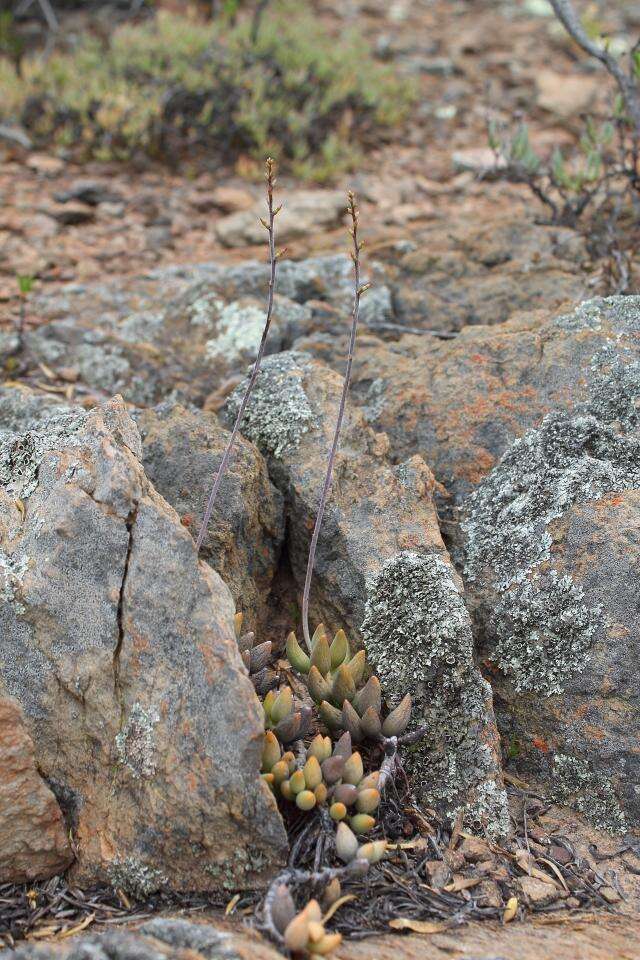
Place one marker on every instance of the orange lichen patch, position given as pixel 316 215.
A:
pixel 210 661
pixel 594 733
pixel 540 744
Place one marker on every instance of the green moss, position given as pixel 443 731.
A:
pixel 309 99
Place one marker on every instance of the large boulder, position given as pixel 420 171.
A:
pixel 119 646
pixel 461 403
pixel 381 560
pixel 552 553
pixel 181 452
pixel 33 840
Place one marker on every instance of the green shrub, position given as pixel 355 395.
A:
pixel 173 84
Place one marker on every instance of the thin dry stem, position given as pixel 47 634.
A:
pixel 269 224
pixel 358 291
pixel 627 84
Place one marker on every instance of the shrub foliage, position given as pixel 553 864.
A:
pixel 172 84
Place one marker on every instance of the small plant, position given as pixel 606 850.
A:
pixel 598 185
pixel 302 932
pixel 347 695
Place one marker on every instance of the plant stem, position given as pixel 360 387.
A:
pixel 358 291
pixel 273 261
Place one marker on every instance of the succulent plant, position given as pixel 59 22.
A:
pixel 257 658
pixel 288 719
pixel 348 848
pixel 330 775
pixel 336 682
pixel 303 932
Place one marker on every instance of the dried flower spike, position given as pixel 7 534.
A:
pixel 273 260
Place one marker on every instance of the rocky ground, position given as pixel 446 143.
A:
pixel 481 541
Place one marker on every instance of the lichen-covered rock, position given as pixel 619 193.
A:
pixel 417 632
pixel 183 331
pixel 33 840
pixel 119 646
pixel 479 273
pixel 553 546
pixel 461 403
pixel 181 453
pixel 374 510
pixel 381 533
pixel 163 938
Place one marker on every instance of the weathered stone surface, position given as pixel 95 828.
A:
pixel 303 212
pixel 381 559
pixel 181 453
pixel 552 551
pixel 33 840
pixel 119 646
pixel 461 403
pixel 374 511
pixel 484 274
pixel 417 632
pixel 157 939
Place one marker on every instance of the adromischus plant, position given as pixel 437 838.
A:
pixel 269 225
pixel 347 694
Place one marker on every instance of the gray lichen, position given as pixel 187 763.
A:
pixel 12 570
pixel 135 743
pixel 279 413
pixel 417 634
pixel 544 633
pixel 415 621
pixel 567 460
pixel 232 872
pixel 575 784
pixel 622 313
pixel 614 387
pixel 238 332
pixel 22 454
pixel 135 877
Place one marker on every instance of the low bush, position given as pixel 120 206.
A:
pixel 175 84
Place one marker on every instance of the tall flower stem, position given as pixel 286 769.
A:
pixel 358 291
pixel 269 225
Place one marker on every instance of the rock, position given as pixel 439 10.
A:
pixel 437 872
pixel 449 280
pixel 417 632
pixel 565 95
pixel 45 164
pixel 71 214
pixel 303 212
pixel 487 894
pixel 562 634
pixel 374 512
pixel 163 938
pixel 119 645
pixel 181 453
pixel 90 192
pixel 537 892
pixel 461 403
pixel 33 840
pixel 232 199
pixel 383 573
pixel 475 849
pixel 478 160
